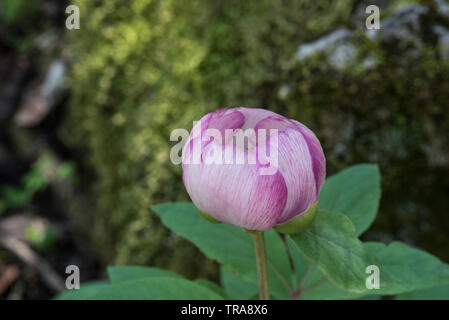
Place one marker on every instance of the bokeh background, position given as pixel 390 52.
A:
pixel 86 115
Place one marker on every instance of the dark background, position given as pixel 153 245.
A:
pixel 86 115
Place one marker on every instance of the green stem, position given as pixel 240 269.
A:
pixel 262 267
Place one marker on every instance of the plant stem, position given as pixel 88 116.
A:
pixel 262 267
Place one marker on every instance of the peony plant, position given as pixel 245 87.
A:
pixel 252 172
pixel 238 192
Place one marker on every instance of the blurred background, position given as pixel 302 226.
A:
pixel 86 115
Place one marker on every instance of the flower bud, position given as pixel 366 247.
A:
pixel 254 169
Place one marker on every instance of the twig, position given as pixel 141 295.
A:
pixel 8 276
pixel 27 255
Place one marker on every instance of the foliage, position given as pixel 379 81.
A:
pixel 14 10
pixel 19 20
pixel 37 179
pixel 41 237
pixel 219 242
pixel 436 293
pixel 329 261
pixel 360 201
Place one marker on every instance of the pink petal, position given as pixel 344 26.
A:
pixel 236 193
pixel 316 151
pixel 295 165
pixel 301 162
pixel 223 119
pixel 254 115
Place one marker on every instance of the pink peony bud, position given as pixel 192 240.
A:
pixel 253 168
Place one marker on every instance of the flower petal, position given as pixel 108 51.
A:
pixel 254 115
pixel 223 119
pixel 316 151
pixel 295 165
pixel 301 162
pixel 236 193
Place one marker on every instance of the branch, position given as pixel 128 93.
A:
pixel 23 251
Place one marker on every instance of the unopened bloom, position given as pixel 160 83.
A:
pixel 239 192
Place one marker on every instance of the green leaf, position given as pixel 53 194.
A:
pixel 212 286
pixel 314 285
pixel 370 297
pixel 403 268
pixel 331 243
pixel 86 291
pixel 435 293
pixel 300 263
pixel 156 288
pixel 354 192
pixel 237 288
pixel 328 291
pixel 126 273
pixel 229 245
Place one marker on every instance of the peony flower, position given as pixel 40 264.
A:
pixel 253 168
